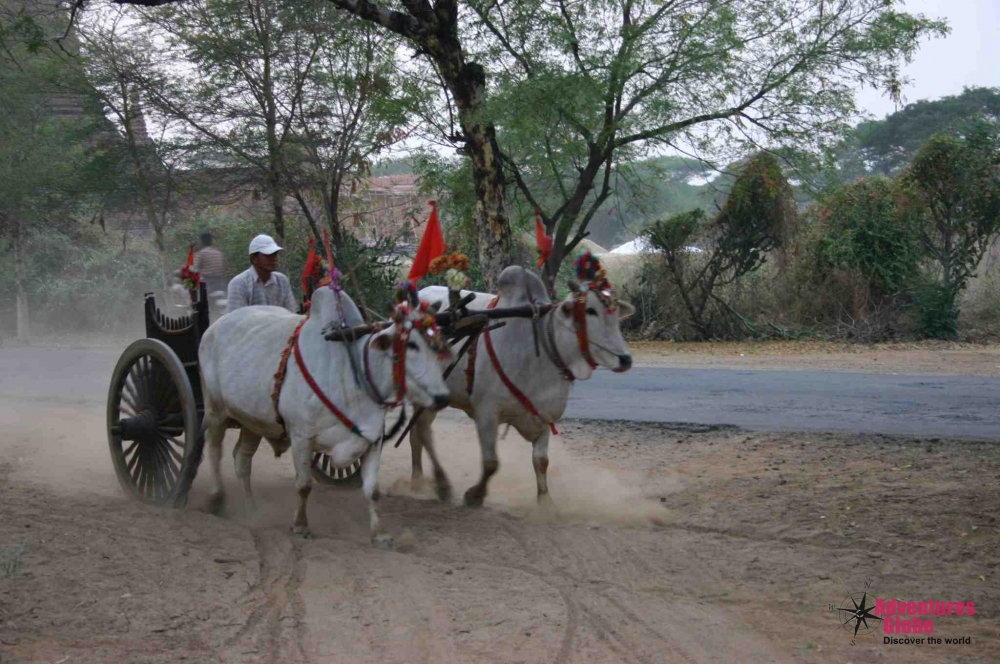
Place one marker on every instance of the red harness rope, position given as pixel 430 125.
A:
pixel 516 393
pixel 580 320
pixel 345 420
pixel 279 379
pixel 398 371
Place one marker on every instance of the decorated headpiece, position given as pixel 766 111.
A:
pixel 424 322
pixel 592 276
pixel 406 293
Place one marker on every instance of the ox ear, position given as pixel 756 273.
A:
pixel 382 342
pixel 625 310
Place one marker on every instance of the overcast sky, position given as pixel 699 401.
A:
pixel 969 55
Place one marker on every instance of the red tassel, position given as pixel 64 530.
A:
pixel 190 260
pixel 432 245
pixel 543 241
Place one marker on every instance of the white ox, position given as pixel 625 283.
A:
pixel 239 356
pixel 540 379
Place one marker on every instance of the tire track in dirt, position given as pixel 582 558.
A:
pixel 282 571
pixel 603 627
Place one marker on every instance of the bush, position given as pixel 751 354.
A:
pixel 759 215
pixel 936 308
pixel 82 280
pixel 871 226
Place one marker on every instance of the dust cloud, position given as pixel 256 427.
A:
pixel 581 492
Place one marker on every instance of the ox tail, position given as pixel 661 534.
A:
pixel 398 425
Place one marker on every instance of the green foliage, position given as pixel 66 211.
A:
pixel 577 99
pixel 871 227
pixel 45 165
pixel 937 309
pixel 957 180
pixel 886 146
pixel 675 232
pixel 80 279
pixel 758 216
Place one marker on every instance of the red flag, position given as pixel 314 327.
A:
pixel 310 269
pixel 543 241
pixel 431 246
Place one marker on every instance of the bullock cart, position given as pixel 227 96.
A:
pixel 155 410
pixel 155 406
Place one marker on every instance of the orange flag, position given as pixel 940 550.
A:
pixel 190 261
pixel 543 241
pixel 431 246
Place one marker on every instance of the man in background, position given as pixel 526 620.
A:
pixel 261 283
pixel 212 267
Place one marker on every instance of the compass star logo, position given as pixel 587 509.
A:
pixel 855 613
pixel 860 614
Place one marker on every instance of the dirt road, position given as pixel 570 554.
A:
pixel 669 544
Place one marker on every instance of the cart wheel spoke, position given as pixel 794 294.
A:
pixel 170 456
pixel 165 468
pixel 153 419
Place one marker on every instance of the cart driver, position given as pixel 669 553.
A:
pixel 261 284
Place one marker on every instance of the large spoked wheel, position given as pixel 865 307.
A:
pixel 324 472
pixel 154 429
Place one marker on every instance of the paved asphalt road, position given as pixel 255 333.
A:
pixel 933 406
pixel 928 406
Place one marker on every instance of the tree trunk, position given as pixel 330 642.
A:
pixel 438 37
pixel 332 201
pixel 20 275
pixel 481 146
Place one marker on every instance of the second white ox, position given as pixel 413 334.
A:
pixel 574 337
pixel 239 356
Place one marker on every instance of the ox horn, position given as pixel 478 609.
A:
pixel 350 333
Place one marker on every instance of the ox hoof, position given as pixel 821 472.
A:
pixel 474 497
pixel 215 502
pixel 546 508
pixel 383 541
pixel 444 492
pixel 303 532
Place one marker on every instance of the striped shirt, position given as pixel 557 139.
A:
pixel 209 262
pixel 247 290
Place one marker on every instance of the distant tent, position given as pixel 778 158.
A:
pixel 640 245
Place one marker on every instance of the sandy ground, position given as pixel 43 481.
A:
pixel 668 545
pixel 930 357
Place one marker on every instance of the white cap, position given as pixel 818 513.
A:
pixel 263 244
